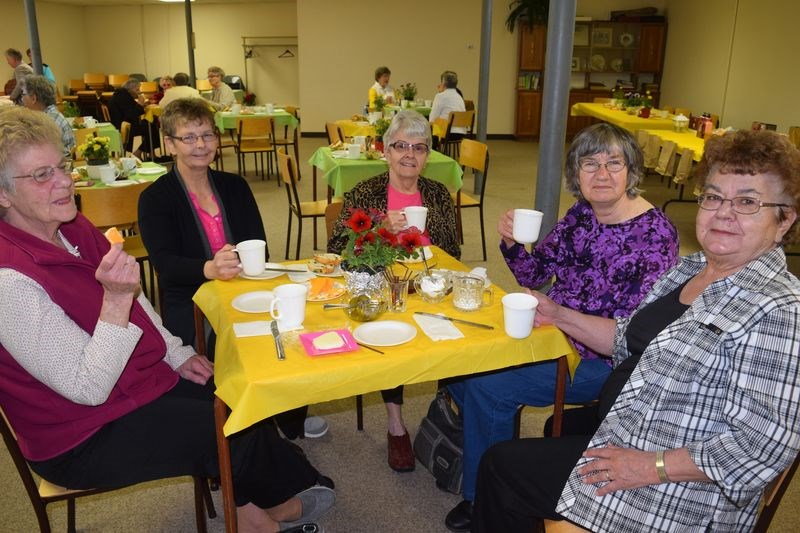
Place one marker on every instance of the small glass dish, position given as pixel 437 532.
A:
pixel 433 287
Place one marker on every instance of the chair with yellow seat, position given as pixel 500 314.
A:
pixel 285 141
pixel 334 132
pixel 314 209
pixel 685 111
pixel 45 492
pixel 203 85
pixel 89 104
pixel 116 80
pixel 794 135
pixel 104 112
pixel 450 143
pixel 95 81
pixel 254 136
pixel 473 155
pixel 148 88
pixel 76 85
pixel 125 136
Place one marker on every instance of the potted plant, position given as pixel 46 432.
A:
pixel 409 92
pixel 381 125
pixel 96 150
pixel 530 11
pixel 379 104
pixel 249 98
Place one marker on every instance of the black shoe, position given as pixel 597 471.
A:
pixel 459 519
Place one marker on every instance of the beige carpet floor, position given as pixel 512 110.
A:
pixel 370 497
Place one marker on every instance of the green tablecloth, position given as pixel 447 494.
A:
pixel 343 174
pixel 106 129
pixel 424 111
pixel 225 120
pixel 135 177
pixel 237 93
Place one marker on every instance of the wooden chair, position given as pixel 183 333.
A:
pixel 469 105
pixel 314 209
pixel 714 120
pixel 46 492
pixel 685 111
pixel 80 138
pixel 457 119
pixel 116 80
pixel 95 81
pixel 794 135
pixel 601 100
pixel 668 108
pixel 334 132
pixel 203 85
pixel 89 104
pixel 473 155
pixel 224 140
pixel 125 136
pixel 148 88
pixel 285 141
pixel 76 85
pixel 104 112
pixel 255 136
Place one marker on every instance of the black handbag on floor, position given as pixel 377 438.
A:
pixel 439 444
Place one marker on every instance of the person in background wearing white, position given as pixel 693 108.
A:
pixel 446 101
pixel 180 90
pixel 222 96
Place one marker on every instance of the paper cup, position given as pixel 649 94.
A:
pixel 354 151
pixel 527 223
pixel 519 310
pixel 416 216
pixel 288 305
pixel 252 255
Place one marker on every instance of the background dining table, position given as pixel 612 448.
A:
pixel 107 129
pixel 342 174
pixel 148 172
pixel 621 118
pixel 227 120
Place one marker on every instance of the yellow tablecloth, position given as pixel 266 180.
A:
pixel 255 385
pixel 620 118
pixel 683 140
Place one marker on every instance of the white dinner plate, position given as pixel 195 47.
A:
pixel 150 170
pixel 338 154
pixel 123 183
pixel 597 62
pixel 267 274
pixel 426 251
pixel 384 333
pixel 253 302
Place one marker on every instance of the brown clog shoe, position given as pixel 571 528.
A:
pixel 401 457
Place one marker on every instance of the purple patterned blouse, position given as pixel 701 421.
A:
pixel 600 269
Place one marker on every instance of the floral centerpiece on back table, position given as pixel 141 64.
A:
pixel 408 91
pixel 96 150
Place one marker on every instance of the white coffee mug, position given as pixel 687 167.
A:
pixel 428 103
pixel 527 223
pixel 270 108
pixel 416 216
pixel 354 151
pixel 360 140
pixel 252 255
pixel 108 173
pixel 519 310
pixel 288 305
pixel 89 122
pixel 128 163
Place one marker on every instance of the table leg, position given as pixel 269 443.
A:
pixel 150 136
pixel 561 388
pixel 314 183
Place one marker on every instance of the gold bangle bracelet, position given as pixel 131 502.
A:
pixel 660 468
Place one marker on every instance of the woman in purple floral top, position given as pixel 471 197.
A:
pixel 603 258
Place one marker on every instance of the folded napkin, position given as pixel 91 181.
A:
pixel 438 329
pixel 258 327
pixel 480 272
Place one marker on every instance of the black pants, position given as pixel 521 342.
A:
pixel 174 436
pixel 392 395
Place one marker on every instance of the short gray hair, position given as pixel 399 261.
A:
pixel 131 83
pixel 408 122
pixel 604 138
pixel 216 70
pixel 21 128
pixel 41 88
pixel 450 79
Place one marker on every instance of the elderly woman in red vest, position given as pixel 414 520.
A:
pixel 88 374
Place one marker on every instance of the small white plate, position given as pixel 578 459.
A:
pixel 123 183
pixel 385 333
pixel 339 154
pixel 426 251
pixel 302 275
pixel 253 302
pixel 337 273
pixel 267 274
pixel 150 170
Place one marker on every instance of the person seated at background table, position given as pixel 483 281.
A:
pixel 222 96
pixel 165 83
pixel 710 413
pixel 99 393
pixel 39 95
pixel 180 90
pixel 47 72
pixel 21 71
pixel 381 87
pixel 407 142
pixel 127 105
pixel 190 219
pixel 447 100
pixel 605 255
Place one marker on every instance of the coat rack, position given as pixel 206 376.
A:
pixel 250 43
pixel 286 53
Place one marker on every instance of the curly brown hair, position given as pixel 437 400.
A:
pixel 756 152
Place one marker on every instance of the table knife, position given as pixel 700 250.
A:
pixel 270 269
pixel 456 320
pixel 275 335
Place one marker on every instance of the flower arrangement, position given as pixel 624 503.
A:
pixel 95 148
pixel 638 100
pixel 379 104
pixel 381 125
pixel 371 247
pixel 249 98
pixel 70 110
pixel 408 91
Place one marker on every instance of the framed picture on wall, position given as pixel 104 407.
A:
pixel 602 36
pixel 581 35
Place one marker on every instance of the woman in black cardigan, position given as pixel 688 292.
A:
pixel 127 104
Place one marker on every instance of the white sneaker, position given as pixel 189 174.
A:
pixel 315 427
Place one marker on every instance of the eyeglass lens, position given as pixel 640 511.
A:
pixel 402 146
pixel 192 138
pixel 743 205
pixel 591 166
pixel 43 174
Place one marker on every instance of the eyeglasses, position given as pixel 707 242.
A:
pixel 43 174
pixel 402 146
pixel 191 139
pixel 591 166
pixel 744 205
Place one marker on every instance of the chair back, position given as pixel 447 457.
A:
pixel 641 138
pixel 475 155
pixel 773 494
pixel 148 88
pixel 461 119
pixel 104 112
pixel 334 132
pixel 125 135
pixel 794 135
pixel 112 206
pixel 469 105
pixel 288 168
pixel 80 138
pixel 685 111
pixel 203 85
pixel 75 86
pixel 666 159
pixel 668 108
pixel 95 81
pixel 332 212
pixel 601 100
pixel 88 104
pixel 116 80
pixel 255 131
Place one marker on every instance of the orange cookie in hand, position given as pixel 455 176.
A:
pixel 114 236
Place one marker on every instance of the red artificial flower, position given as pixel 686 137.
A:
pixel 410 239
pixel 367 238
pixel 387 236
pixel 359 221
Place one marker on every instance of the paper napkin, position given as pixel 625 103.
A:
pixel 438 329
pixel 257 327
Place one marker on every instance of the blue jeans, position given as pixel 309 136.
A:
pixel 489 402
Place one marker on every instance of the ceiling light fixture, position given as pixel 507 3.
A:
pixel 173 1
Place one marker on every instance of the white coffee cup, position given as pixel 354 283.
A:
pixel 416 216
pixel 428 103
pixel 252 255
pixel 108 173
pixel 519 310
pixel 128 163
pixel 270 108
pixel 354 151
pixel 527 223
pixel 360 140
pixel 288 305
pixel 89 122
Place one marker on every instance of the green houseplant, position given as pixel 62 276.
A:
pixel 381 125
pixel 408 91
pixel 529 11
pixel 96 150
